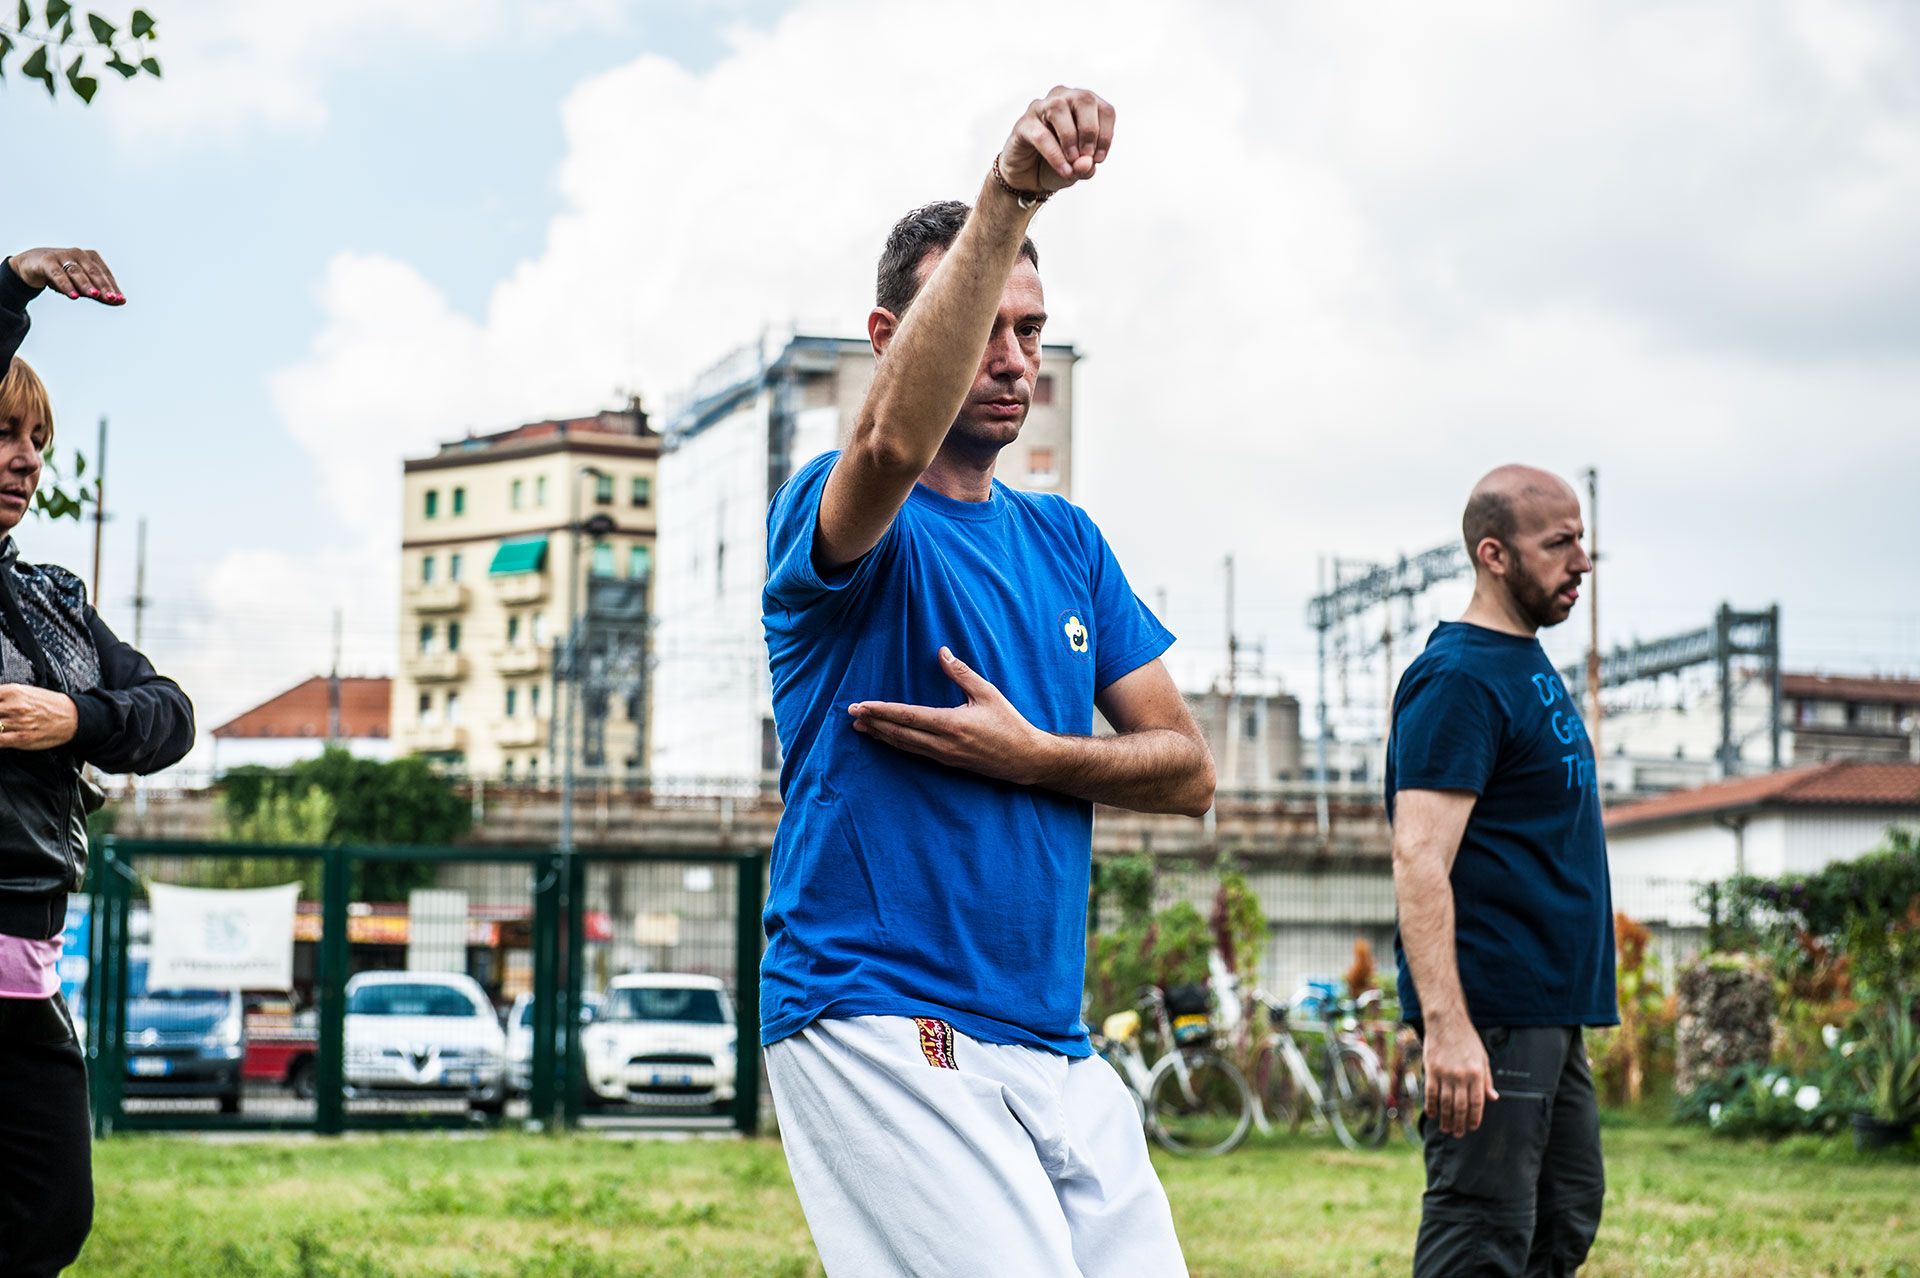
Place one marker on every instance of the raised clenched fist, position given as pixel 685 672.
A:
pixel 77 272
pixel 1060 139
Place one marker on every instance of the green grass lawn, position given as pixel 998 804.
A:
pixel 518 1206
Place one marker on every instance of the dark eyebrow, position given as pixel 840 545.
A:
pixel 1037 317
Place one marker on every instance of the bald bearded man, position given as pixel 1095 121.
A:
pixel 1506 908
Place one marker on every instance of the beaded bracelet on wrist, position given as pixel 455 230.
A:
pixel 1026 199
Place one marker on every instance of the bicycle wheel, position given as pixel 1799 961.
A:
pixel 1281 1098
pixel 1357 1100
pixel 1412 1099
pixel 1198 1103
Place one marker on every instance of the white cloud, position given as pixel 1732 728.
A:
pixel 1343 260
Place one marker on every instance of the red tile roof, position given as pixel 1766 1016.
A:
pixel 1878 691
pixel 1842 784
pixel 301 711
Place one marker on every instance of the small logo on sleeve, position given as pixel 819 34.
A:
pixel 936 1042
pixel 1074 626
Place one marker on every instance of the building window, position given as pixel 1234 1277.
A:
pixel 1043 389
pixel 602 559
pixel 513 630
pixel 533 700
pixel 643 490
pixel 539 490
pixel 603 489
pixel 426 570
pixel 453 566
pixel 1252 727
pixel 517 493
pixel 426 706
pixel 506 768
pixel 459 501
pixel 433 503
pixel 1040 465
pixel 513 697
pixel 539 629
pixel 453 636
pixel 426 638
pixel 640 562
pixel 453 707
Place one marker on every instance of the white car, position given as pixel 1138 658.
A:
pixel 520 1040
pixel 664 1039
pixel 412 1034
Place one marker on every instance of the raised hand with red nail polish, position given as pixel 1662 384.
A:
pixel 76 272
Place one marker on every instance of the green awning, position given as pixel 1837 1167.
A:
pixel 524 554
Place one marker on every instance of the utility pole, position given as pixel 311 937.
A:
pixel 1593 612
pixel 333 684
pixel 140 586
pixel 139 615
pixel 1320 741
pixel 1233 687
pixel 99 504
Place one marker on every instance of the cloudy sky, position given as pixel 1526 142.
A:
pixel 1343 260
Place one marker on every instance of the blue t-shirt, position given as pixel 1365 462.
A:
pixel 901 886
pixel 1486 712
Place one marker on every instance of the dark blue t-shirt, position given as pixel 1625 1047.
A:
pixel 1486 712
pixel 900 886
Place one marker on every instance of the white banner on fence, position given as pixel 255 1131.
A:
pixel 206 938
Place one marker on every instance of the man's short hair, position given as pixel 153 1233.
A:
pixel 928 228
pixel 23 398
pixel 1489 514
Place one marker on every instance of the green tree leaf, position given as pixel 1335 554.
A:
pixel 83 86
pixel 66 29
pixel 125 68
pixel 25 18
pixel 151 66
pixel 102 29
pixel 57 10
pixel 142 25
pixel 35 68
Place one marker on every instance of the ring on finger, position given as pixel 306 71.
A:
pixel 69 266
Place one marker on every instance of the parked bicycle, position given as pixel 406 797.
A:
pixel 1342 1089
pixel 1403 1071
pixel 1192 1100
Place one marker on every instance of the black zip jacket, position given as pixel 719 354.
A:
pixel 131 719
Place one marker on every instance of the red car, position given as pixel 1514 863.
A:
pixel 282 1046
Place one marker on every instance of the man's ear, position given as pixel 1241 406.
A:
pixel 882 324
pixel 1491 556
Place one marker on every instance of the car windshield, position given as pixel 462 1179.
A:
pixel 137 988
pixel 410 1000
pixel 523 1019
pixel 664 1003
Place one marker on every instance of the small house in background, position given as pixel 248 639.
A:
pixel 1791 822
pixel 353 713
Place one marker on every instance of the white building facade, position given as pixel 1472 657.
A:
pixel 746 426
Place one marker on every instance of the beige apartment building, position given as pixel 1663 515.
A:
pixel 487 554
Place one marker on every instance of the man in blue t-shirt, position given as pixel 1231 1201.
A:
pixel 1506 912
pixel 938 643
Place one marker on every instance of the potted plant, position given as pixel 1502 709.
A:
pixel 1889 1071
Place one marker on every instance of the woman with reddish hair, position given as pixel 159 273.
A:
pixel 71 695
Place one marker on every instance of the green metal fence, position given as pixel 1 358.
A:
pixel 438 987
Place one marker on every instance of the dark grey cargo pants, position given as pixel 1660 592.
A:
pixel 1521 1195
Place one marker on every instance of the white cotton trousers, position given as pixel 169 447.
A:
pixel 919 1151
